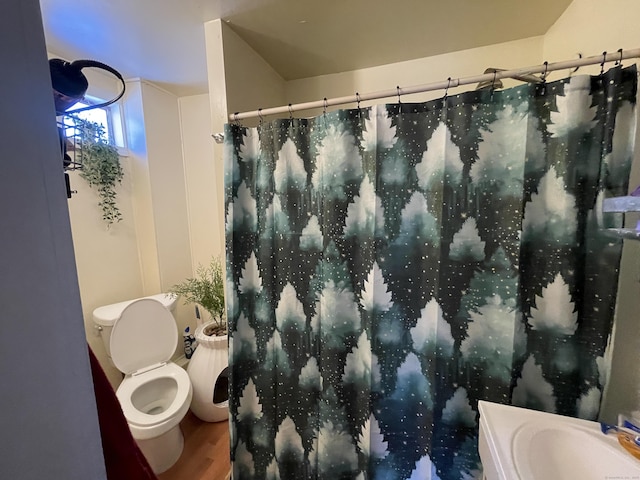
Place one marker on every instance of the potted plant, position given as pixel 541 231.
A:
pixel 100 166
pixel 206 289
pixel 208 367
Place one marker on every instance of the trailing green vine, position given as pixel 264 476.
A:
pixel 100 167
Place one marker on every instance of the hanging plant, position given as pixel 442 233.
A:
pixel 100 166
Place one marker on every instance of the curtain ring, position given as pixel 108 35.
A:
pixel 235 118
pixel 446 90
pixel 398 90
pixel 493 82
pixel 358 99
pixel 543 77
pixel 604 59
pixel 260 116
pixel 619 61
pixel 290 112
pixel 325 104
pixel 576 69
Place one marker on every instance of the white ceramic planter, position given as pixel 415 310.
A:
pixel 209 373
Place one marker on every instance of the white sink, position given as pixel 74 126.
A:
pixel 516 443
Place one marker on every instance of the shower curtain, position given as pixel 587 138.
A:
pixel 388 267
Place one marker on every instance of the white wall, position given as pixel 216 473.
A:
pixel 250 81
pixel 418 72
pixel 590 27
pixel 49 419
pixel 203 178
pixel 168 190
pixel 107 259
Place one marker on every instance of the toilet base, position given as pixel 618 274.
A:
pixel 164 451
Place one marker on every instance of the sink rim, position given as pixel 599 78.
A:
pixel 525 433
pixel 498 424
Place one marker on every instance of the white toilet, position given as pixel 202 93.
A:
pixel 155 393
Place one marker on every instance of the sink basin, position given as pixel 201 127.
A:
pixel 544 450
pixel 517 443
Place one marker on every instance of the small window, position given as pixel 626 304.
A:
pixel 96 115
pixel 109 118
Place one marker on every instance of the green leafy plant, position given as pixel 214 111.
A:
pixel 100 166
pixel 207 290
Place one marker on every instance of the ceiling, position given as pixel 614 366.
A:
pixel 163 40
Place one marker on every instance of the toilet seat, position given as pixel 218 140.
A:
pixel 143 340
pixel 144 425
pixel 145 320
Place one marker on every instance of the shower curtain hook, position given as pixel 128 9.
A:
pixel 604 59
pixel 358 99
pixel 619 61
pixel 235 118
pixel 493 83
pixel 290 112
pixel 578 67
pixel 325 104
pixel 260 116
pixel 543 77
pixel 446 90
pixel 398 90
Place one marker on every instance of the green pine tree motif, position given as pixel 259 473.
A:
pixel 440 162
pixel 339 162
pixel 336 455
pixel 276 220
pixel 395 179
pixel 331 409
pixel 249 407
pixel 532 390
pixel 365 215
pixel 244 466
pixel 333 451
pixel 288 448
pixel 575 109
pixel 467 460
pixel 244 210
pixel 554 311
pixel 289 172
pixel 501 153
pixel 378 132
pixel 336 319
pixel 546 221
pixel 496 278
pixel 495 338
pixel 331 268
pixel 276 357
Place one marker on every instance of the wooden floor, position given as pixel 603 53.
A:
pixel 206 451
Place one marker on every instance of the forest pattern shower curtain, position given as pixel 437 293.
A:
pixel 388 267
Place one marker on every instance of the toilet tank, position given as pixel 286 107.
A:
pixel 104 317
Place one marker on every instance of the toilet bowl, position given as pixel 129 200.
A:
pixel 155 393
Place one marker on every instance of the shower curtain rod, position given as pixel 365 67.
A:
pixel 544 68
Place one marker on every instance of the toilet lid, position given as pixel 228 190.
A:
pixel 145 334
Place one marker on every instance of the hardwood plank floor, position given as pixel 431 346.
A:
pixel 206 451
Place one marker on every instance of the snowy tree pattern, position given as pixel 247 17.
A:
pixel 388 267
